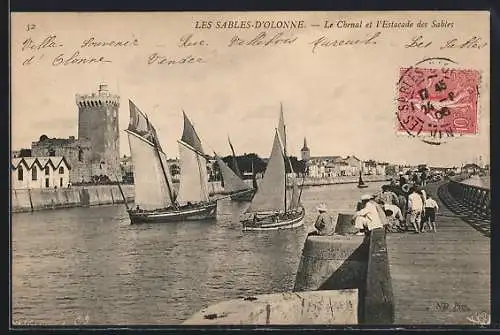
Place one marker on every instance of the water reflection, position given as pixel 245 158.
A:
pixel 90 263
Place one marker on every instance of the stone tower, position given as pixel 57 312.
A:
pixel 98 122
pixel 305 153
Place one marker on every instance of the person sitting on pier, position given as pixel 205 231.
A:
pixel 367 218
pixel 324 222
pixel 394 217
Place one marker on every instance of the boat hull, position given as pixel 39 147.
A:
pixel 247 196
pixel 290 223
pixel 193 213
pixel 362 186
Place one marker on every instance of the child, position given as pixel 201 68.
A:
pixel 431 208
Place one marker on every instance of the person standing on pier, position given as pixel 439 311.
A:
pixel 387 196
pixel 402 179
pixel 324 222
pixel 367 218
pixel 415 209
pixel 424 178
pixel 431 208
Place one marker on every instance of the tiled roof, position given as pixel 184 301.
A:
pixel 42 162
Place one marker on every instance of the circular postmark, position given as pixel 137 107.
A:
pixel 437 100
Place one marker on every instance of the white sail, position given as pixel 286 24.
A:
pixel 168 174
pixel 271 193
pixel 232 183
pixel 151 189
pixel 194 178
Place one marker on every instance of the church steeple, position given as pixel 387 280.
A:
pixel 305 151
pixel 304 148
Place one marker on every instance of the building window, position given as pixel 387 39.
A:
pixel 60 182
pixel 80 155
pixel 34 173
pixel 20 173
pixel 46 182
pixel 52 152
pixel 47 171
pixel 61 170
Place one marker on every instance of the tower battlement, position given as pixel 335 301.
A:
pixel 102 98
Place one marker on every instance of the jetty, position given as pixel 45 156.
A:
pixel 433 278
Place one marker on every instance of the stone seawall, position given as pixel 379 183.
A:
pixel 26 200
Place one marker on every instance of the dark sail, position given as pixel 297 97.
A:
pixel 140 125
pixel 190 137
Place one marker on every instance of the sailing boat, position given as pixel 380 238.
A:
pixel 240 196
pixel 269 209
pixel 233 184
pixel 155 197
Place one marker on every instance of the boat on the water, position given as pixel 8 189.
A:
pixel 270 209
pixel 361 183
pixel 247 196
pixel 233 184
pixel 240 193
pixel 155 196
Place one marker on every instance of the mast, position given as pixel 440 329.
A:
pixel 284 145
pixel 155 139
pixel 121 191
pixel 254 178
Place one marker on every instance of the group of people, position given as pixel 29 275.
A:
pixel 397 211
pixel 397 208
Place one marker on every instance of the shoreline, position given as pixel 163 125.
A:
pixel 31 200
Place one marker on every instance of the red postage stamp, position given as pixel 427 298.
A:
pixel 437 102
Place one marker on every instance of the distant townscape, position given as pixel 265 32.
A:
pixel 94 156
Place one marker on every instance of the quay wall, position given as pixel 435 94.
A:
pixel 26 200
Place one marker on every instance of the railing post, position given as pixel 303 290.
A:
pixel 475 198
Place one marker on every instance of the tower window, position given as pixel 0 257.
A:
pixel 34 173
pixel 47 171
pixel 20 173
pixel 61 170
pixel 80 155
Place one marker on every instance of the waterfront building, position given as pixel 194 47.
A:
pixel 78 154
pixel 471 168
pixel 98 123
pixel 40 172
pixel 96 151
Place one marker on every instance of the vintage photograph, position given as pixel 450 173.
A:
pixel 250 168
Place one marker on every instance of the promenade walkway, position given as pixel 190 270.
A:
pixel 442 277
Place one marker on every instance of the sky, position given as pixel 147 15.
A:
pixel 342 99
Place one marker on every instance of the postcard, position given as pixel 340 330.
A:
pixel 180 168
